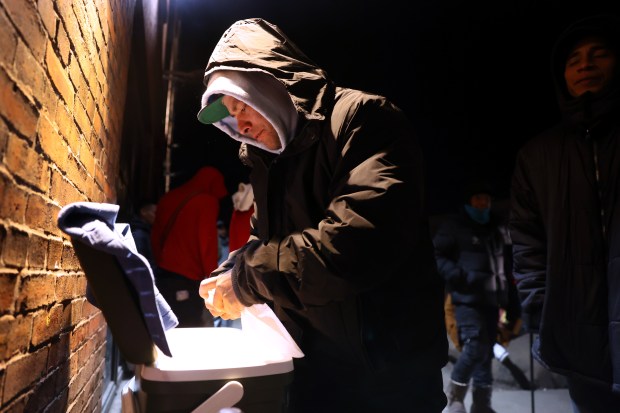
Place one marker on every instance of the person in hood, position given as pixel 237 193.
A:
pixel 565 219
pixel 185 243
pixel 472 250
pixel 340 245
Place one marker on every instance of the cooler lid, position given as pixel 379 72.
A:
pixel 215 353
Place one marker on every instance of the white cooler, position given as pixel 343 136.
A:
pixel 247 375
pixel 211 368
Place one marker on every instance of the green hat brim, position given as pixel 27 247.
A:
pixel 213 112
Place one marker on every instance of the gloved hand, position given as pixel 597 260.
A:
pixel 220 298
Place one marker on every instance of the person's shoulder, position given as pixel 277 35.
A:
pixel 360 98
pixel 353 104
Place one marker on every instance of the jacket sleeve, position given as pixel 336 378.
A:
pixel 371 229
pixel 529 252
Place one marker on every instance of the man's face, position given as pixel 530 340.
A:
pixel 252 124
pixel 589 66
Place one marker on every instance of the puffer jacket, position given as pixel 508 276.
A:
pixel 471 258
pixel 341 246
pixel 565 227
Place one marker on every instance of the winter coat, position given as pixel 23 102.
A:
pixel 471 258
pixel 565 227
pixel 341 246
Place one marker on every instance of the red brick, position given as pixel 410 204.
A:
pixel 8 283
pixel 13 201
pixel 47 323
pixel 79 82
pixel 59 352
pixel 14 335
pixel 87 159
pixel 15 108
pixel 54 254
pixel 59 76
pixel 63 192
pixel 26 18
pixel 63 44
pixel 66 287
pixel 67 128
pixel 86 29
pixel 69 260
pixel 37 250
pixel 23 371
pixel 93 17
pixel 81 117
pixel 24 160
pixel 49 99
pixel 52 144
pixel 28 70
pixel 14 247
pixel 8 39
pixel 36 291
pixel 48 16
pixel 41 214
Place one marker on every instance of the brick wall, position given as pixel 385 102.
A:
pixel 63 74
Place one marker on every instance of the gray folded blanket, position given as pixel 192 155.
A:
pixel 94 224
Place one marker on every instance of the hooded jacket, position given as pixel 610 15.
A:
pixel 565 225
pixel 340 244
pixel 188 245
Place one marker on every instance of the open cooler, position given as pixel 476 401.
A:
pixel 199 370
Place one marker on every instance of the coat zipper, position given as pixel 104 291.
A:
pixel 597 177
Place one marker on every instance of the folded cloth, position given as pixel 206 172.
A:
pixel 94 224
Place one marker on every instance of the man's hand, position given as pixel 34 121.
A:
pixel 220 299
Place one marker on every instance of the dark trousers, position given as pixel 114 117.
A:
pixel 477 329
pixel 590 398
pixel 181 293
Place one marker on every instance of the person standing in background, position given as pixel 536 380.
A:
pixel 185 243
pixel 565 219
pixel 471 250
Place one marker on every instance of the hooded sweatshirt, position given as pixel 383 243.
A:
pixel 340 244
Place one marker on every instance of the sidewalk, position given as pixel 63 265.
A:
pixel 551 396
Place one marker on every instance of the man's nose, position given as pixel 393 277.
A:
pixel 244 126
pixel 586 63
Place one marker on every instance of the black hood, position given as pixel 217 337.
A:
pixel 589 107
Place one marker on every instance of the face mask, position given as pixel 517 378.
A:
pixel 481 216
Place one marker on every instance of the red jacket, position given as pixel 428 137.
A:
pixel 190 247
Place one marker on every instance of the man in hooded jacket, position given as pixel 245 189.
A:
pixel 340 245
pixel 565 220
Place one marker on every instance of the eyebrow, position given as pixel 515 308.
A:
pixel 237 105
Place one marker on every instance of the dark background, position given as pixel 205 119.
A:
pixel 473 76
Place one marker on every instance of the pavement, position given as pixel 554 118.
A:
pixel 550 395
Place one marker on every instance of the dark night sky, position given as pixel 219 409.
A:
pixel 473 76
